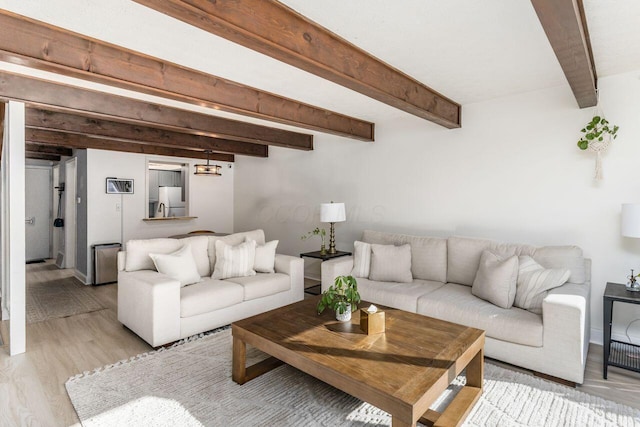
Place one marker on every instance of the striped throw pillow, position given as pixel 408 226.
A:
pixel 361 259
pixel 234 261
pixel 535 281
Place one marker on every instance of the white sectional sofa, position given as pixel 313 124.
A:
pixel 554 343
pixel 160 311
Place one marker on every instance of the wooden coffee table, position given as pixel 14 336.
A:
pixel 402 371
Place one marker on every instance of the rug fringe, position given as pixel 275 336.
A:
pixel 146 354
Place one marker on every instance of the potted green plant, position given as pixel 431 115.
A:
pixel 342 297
pixel 317 232
pixel 597 130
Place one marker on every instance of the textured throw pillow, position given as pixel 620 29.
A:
pixel 535 281
pixel 496 279
pixel 361 259
pixel 265 259
pixel 391 263
pixel 234 261
pixel 179 265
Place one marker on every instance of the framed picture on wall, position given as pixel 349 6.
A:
pixel 119 186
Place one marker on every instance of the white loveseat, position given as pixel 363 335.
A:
pixel 160 311
pixel 554 343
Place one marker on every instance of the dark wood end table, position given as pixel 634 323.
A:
pixel 324 257
pixel 624 355
pixel 315 289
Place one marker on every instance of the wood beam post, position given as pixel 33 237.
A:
pixel 566 27
pixel 72 140
pixel 51 120
pixel 273 29
pixel 43 46
pixel 122 109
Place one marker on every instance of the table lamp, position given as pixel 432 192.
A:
pixel 630 227
pixel 332 213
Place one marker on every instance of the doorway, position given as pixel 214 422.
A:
pixel 70 172
pixel 38 213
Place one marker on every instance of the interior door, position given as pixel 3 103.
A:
pixel 38 221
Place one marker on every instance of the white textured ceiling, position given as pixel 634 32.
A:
pixel 468 50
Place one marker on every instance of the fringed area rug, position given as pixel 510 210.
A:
pixel 59 298
pixel 190 384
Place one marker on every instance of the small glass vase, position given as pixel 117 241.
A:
pixel 323 249
pixel 633 286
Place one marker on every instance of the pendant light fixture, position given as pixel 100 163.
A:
pixel 208 170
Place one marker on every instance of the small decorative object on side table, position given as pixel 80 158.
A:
pixel 618 353
pixel 324 257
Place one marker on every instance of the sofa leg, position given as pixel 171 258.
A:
pixel 555 379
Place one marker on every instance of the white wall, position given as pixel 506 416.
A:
pixel 513 173
pixel 210 200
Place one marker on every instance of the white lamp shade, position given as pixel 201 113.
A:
pixel 332 212
pixel 631 220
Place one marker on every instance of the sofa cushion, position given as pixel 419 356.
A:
pixel 262 284
pixel 361 259
pixel 265 259
pixel 463 257
pixel 200 251
pixel 138 252
pixel 233 240
pixel 178 265
pixel 455 303
pixel 428 254
pixel 569 257
pixel 209 295
pixel 534 283
pixel 234 261
pixel 403 296
pixel 496 279
pixel 391 263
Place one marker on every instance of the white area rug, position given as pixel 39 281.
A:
pixel 190 385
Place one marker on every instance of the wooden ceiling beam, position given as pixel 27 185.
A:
pixel 72 140
pixel 273 29
pixel 42 156
pixel 566 27
pixel 48 149
pixel 52 120
pixel 102 105
pixel 45 47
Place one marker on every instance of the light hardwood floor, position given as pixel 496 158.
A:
pixel 32 389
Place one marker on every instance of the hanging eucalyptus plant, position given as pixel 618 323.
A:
pixel 597 130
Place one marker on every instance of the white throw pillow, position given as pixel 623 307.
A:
pixel 496 279
pixel 179 265
pixel 535 282
pixel 361 259
pixel 391 263
pixel 265 259
pixel 234 261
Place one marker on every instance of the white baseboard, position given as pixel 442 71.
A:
pixel 82 277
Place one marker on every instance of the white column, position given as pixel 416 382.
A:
pixel 13 228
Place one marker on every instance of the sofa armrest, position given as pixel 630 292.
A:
pixel 565 319
pixel 149 305
pixel 333 268
pixel 294 268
